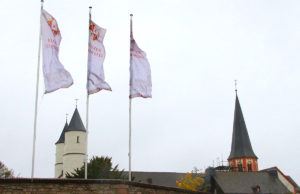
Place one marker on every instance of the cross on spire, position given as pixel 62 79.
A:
pixel 235 85
pixel 76 101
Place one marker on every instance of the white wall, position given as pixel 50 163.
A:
pixel 59 159
pixel 74 152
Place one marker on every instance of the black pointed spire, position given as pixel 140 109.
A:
pixel 62 135
pixel 241 145
pixel 76 122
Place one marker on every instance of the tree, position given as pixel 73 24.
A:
pixel 5 172
pixel 99 168
pixel 193 181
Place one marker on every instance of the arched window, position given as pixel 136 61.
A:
pixel 231 167
pixel 249 166
pixel 240 167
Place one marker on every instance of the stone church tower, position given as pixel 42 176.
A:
pixel 59 153
pixel 70 147
pixel 242 157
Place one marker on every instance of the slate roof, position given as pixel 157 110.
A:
pixel 76 123
pixel 241 145
pixel 244 182
pixel 167 179
pixel 288 178
pixel 62 135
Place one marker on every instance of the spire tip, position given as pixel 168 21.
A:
pixel 76 101
pixel 235 85
pixel 131 15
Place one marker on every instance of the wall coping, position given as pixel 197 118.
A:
pixel 93 181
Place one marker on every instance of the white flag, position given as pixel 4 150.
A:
pixel 140 72
pixel 96 56
pixel 55 76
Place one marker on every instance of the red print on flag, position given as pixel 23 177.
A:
pixel 96 55
pixel 55 75
pixel 94 32
pixel 53 25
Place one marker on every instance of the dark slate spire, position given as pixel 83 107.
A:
pixel 241 145
pixel 76 122
pixel 62 135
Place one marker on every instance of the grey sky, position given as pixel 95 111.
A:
pixel 195 48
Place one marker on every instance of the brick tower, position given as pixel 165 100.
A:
pixel 242 157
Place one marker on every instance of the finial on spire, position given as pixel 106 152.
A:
pixel 235 85
pixel 90 11
pixel 76 101
pixel 67 117
pixel 131 15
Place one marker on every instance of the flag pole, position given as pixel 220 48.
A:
pixel 87 133
pixel 129 139
pixel 36 93
pixel 130 111
pixel 87 114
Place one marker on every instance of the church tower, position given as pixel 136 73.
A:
pixel 71 147
pixel 242 157
pixel 75 144
pixel 60 152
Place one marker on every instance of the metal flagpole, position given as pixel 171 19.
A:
pixel 87 133
pixel 36 93
pixel 87 115
pixel 129 139
pixel 129 154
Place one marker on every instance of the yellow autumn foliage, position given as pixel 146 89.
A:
pixel 190 182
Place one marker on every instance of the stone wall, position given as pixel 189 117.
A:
pixel 42 186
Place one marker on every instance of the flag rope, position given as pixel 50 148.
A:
pixel 36 94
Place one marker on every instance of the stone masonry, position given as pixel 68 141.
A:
pixel 74 186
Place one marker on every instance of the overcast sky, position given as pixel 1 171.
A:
pixel 196 50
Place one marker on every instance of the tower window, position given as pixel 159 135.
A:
pixel 249 167
pixel 77 139
pixel 240 167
